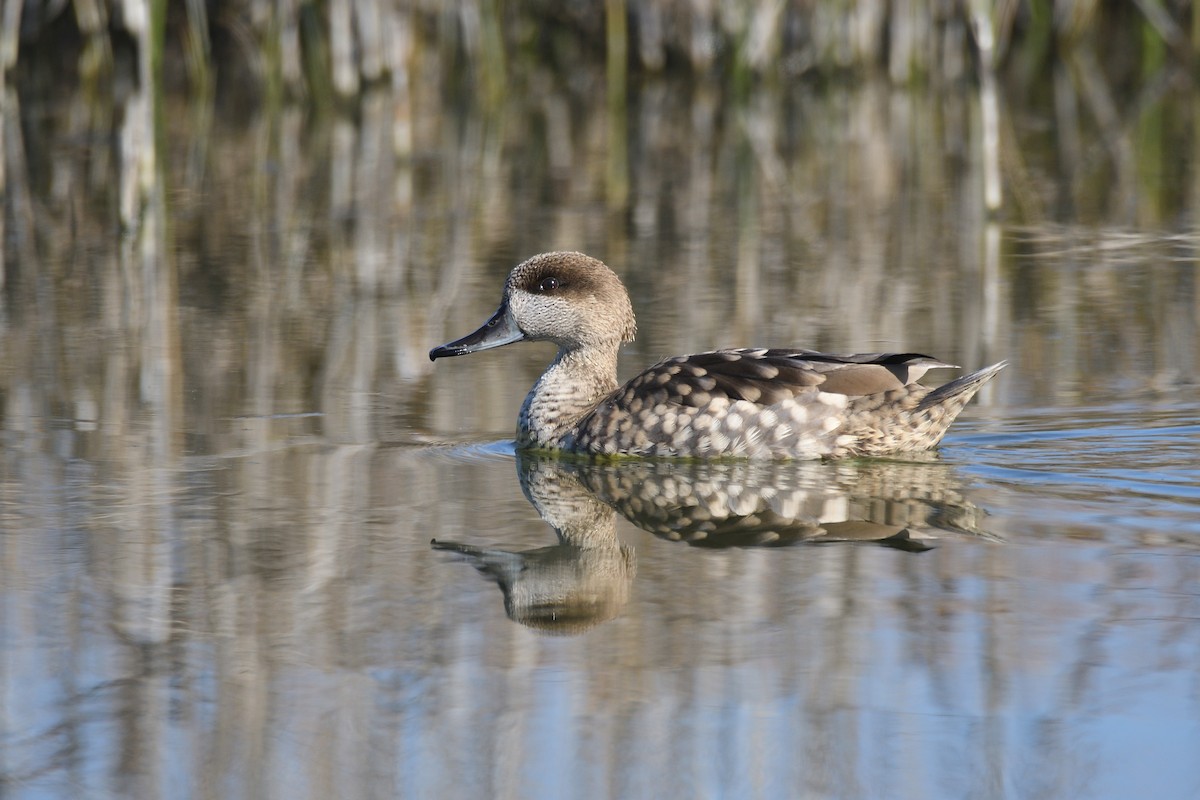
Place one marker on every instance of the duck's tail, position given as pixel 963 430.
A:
pixel 876 430
pixel 955 394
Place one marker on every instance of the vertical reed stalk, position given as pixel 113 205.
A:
pixel 1195 28
pixel 92 18
pixel 10 31
pixel 992 285
pixel 316 55
pixel 617 40
pixel 5 103
pixel 989 101
pixel 341 48
pixel 492 60
pixel 197 48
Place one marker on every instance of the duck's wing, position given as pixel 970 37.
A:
pixel 767 377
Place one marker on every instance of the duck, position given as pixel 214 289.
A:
pixel 751 403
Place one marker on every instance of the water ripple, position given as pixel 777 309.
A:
pixel 1118 464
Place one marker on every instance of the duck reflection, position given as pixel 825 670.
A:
pixel 568 587
pixel 764 504
pixel 585 578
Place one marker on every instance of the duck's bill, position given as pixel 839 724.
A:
pixel 498 331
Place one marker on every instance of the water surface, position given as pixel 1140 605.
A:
pixel 226 455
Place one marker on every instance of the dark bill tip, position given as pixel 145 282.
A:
pixel 498 331
pixel 445 351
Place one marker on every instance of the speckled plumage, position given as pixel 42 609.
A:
pixel 751 403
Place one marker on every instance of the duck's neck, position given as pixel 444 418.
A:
pixel 569 388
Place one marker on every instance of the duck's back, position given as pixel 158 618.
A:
pixel 757 403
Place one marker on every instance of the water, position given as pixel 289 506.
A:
pixel 226 458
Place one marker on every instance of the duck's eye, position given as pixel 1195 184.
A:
pixel 548 284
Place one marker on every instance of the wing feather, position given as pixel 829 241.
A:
pixel 767 377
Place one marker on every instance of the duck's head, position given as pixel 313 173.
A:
pixel 570 299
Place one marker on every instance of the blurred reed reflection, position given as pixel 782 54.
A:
pixel 214 562
pixel 585 578
pixel 304 263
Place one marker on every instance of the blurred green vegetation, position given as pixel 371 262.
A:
pixel 337 48
pixel 803 193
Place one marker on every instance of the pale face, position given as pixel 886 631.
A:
pixel 567 298
pixel 570 299
pixel 547 317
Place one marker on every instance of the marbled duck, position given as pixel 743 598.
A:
pixel 751 403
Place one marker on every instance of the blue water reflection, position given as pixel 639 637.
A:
pixel 224 452
pixel 348 654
